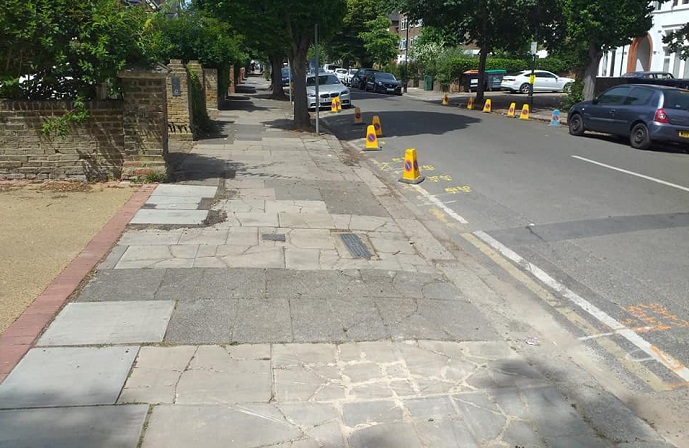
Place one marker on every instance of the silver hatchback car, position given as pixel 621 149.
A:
pixel 643 112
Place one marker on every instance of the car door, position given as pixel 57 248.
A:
pixel 544 82
pixel 637 99
pixel 600 115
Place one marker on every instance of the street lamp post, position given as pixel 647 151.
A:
pixel 406 56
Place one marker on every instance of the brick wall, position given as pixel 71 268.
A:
pixel 210 88
pixel 179 111
pixel 93 150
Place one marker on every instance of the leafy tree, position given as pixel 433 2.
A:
pixel 379 42
pixel 63 48
pixel 348 45
pixel 490 24
pixel 678 41
pixel 596 26
pixel 292 23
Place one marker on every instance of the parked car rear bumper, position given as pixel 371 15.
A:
pixel 665 132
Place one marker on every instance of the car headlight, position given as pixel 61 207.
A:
pixel 345 92
pixel 311 95
pixel 380 83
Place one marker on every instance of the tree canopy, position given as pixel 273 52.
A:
pixel 678 41
pixel 378 41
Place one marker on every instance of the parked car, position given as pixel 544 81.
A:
pixel 350 74
pixel 383 83
pixel 341 74
pixel 643 112
pixel 286 76
pixel 651 75
pixel 544 82
pixel 329 87
pixel 359 78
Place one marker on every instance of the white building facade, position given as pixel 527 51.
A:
pixel 648 53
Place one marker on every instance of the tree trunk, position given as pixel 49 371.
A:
pixel 483 55
pixel 595 55
pixel 302 119
pixel 276 77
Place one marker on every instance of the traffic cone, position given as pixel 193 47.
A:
pixel 333 105
pixel 411 173
pixel 524 114
pixel 357 116
pixel 371 138
pixel 488 106
pixel 445 100
pixel 555 119
pixel 470 104
pixel 510 111
pixel 338 104
pixel 377 126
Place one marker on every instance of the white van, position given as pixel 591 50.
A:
pixel 330 68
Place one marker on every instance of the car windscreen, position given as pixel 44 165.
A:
pixel 385 77
pixel 322 79
pixel 676 99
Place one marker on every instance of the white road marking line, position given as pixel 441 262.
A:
pixel 617 327
pixel 602 335
pixel 440 204
pixel 633 173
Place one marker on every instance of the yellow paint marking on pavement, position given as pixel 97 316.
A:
pixel 455 190
pixel 440 177
pixel 636 368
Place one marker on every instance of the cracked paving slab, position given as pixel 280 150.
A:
pixel 366 394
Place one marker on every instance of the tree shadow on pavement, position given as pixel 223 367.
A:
pixel 239 102
pixel 397 123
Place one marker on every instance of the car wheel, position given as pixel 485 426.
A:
pixel 639 137
pixel 576 124
pixel 567 87
pixel 524 88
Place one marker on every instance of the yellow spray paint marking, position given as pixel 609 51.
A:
pixel 428 167
pixel 456 190
pixel 385 166
pixel 439 178
pixel 441 216
pixel 398 159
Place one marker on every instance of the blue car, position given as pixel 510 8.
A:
pixel 286 76
pixel 645 113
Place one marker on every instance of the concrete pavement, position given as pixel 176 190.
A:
pixel 281 295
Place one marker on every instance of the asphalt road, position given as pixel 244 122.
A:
pixel 604 224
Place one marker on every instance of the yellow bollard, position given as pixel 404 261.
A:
pixel 488 106
pixel 371 138
pixel 333 105
pixel 377 126
pixel 524 114
pixel 470 104
pixel 357 116
pixel 338 103
pixel 411 173
pixel 510 111
pixel 445 100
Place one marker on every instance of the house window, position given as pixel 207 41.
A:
pixel 404 23
pixel 666 61
pixel 403 44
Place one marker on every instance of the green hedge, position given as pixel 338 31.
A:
pixel 451 69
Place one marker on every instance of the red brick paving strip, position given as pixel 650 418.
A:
pixel 21 335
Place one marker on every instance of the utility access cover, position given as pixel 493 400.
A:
pixel 273 237
pixel 355 246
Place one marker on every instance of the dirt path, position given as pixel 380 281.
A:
pixel 43 226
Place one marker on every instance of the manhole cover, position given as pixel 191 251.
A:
pixel 273 237
pixel 355 246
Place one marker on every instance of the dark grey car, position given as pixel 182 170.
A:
pixel 643 112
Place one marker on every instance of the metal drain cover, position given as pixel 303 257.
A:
pixel 355 246
pixel 273 237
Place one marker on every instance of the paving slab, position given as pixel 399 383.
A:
pixel 202 321
pixel 83 427
pixel 390 435
pixel 170 217
pixel 211 283
pixel 180 190
pixel 67 376
pixel 122 284
pixel 208 426
pixel 109 323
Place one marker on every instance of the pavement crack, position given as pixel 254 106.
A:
pixel 179 377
